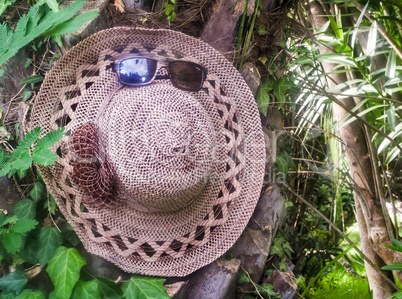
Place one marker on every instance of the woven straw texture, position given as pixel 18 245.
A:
pixel 157 180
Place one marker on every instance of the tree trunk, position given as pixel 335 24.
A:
pixel 370 217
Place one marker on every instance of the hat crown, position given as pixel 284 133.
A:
pixel 160 142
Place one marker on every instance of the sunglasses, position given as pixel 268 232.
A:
pixel 139 71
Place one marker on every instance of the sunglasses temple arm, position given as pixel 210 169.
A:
pixel 162 77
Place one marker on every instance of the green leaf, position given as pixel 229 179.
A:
pixel 44 156
pixel 169 9
pixel 14 282
pixel 22 163
pixel 73 24
pixel 27 62
pixel 397 243
pixel 2 218
pixel 372 39
pixel 29 294
pixel 32 79
pixel 28 252
pixel 267 291
pixel 172 17
pixel 12 242
pixel 53 5
pixel 50 138
pixel 282 164
pixel 390 70
pixel 243 278
pixel 396 248
pixel 37 191
pixel 10 219
pixel 396 267
pixel 70 236
pixel 64 270
pixel 391 118
pixel 3 6
pixel 8 295
pixel 24 225
pixel 144 287
pixel 281 90
pixel 261 30
pixel 335 28
pixel 16 128
pixel 87 290
pixel 49 240
pixel 26 142
pixel 108 288
pixel 34 28
pixel 26 94
pixel 25 209
pixel 262 96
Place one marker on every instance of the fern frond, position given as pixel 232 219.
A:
pixel 26 142
pixel 5 37
pixel 69 12
pixel 50 139
pixel 20 29
pixel 4 157
pixel 34 17
pixel 51 19
pixel 73 24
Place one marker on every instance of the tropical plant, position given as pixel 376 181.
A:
pixel 40 21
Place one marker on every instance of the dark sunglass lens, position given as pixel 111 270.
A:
pixel 137 70
pixel 186 75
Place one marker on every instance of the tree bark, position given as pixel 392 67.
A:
pixel 370 217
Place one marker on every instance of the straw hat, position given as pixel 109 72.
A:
pixel 119 181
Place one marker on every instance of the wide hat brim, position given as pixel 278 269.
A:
pixel 83 89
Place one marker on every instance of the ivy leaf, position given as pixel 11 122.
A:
pixel 262 96
pixel 108 288
pixel 8 295
pixel 49 239
pixel 12 242
pixel 29 294
pixel 44 156
pixel 281 89
pixel 28 252
pixel 86 290
pixel 24 225
pixel 25 209
pixel 14 281
pixel 37 191
pixel 144 287
pixel 64 270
